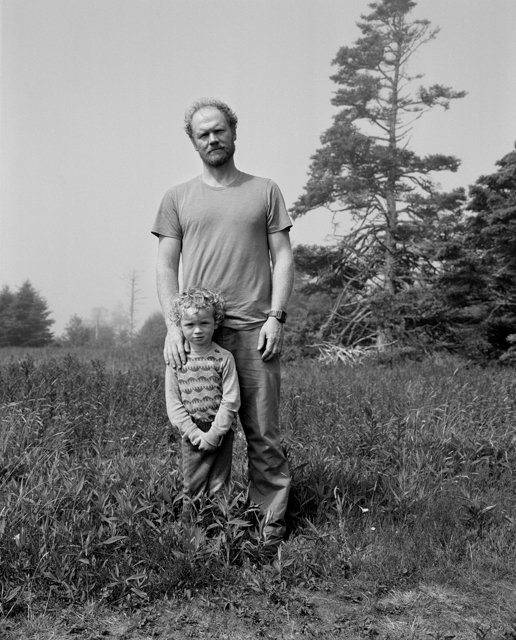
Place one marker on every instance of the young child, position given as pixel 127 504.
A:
pixel 203 397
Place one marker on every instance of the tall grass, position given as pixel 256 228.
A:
pixel 399 473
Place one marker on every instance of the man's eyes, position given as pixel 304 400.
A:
pixel 207 133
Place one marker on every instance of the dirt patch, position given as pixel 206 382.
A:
pixel 336 611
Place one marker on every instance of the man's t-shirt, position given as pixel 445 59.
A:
pixel 224 232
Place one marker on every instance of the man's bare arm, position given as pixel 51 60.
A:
pixel 271 335
pixel 167 280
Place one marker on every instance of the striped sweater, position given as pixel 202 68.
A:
pixel 205 390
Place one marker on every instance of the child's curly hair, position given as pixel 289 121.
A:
pixel 199 298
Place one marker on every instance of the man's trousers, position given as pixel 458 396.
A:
pixel 269 477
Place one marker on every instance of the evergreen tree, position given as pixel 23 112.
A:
pixel 29 321
pixel 366 168
pixel 493 229
pixel 479 285
pixel 76 333
pixel 153 332
pixel 7 322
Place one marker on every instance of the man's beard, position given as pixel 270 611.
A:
pixel 219 156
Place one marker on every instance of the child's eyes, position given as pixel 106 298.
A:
pixel 189 325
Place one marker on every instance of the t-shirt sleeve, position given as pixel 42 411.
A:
pixel 166 222
pixel 277 214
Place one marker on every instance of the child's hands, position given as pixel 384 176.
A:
pixel 195 437
pixel 198 439
pixel 204 445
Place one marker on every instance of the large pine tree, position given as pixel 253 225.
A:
pixel 366 168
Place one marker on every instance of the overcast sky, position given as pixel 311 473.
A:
pixel 92 100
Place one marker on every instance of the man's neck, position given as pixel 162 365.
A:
pixel 221 176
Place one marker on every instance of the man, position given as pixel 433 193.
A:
pixel 231 230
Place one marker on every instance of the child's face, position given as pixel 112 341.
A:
pixel 198 326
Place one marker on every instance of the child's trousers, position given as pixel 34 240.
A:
pixel 207 472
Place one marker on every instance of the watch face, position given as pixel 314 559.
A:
pixel 280 315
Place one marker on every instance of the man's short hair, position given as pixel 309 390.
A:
pixel 199 298
pixel 229 114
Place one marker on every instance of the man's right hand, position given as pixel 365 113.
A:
pixel 175 349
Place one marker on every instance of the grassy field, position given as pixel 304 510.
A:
pixel 401 522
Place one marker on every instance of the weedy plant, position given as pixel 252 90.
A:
pixel 399 473
pixel 417 463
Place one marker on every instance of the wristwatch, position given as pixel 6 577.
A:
pixel 279 315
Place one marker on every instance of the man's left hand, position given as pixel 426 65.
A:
pixel 270 341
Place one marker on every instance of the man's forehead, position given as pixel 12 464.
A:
pixel 206 117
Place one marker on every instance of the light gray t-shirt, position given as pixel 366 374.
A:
pixel 224 234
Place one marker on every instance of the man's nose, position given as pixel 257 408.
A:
pixel 212 138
